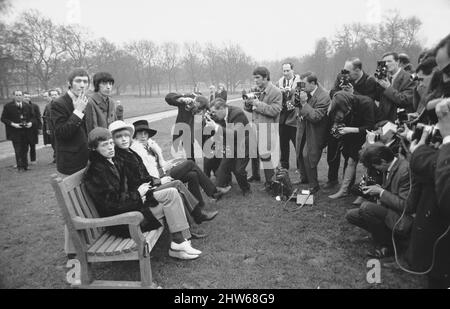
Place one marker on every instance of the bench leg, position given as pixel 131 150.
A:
pixel 145 267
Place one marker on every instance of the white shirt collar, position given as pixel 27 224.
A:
pixel 395 75
pixel 314 91
pixel 392 164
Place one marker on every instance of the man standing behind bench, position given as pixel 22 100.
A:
pixel 67 117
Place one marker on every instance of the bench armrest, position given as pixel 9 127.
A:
pixel 129 218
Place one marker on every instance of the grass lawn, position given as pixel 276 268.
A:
pixel 252 243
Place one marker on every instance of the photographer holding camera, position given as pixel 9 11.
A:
pixel 312 128
pixel 288 115
pixel 380 218
pixel 360 84
pixel 17 117
pixel 352 116
pixel 395 87
pixel 429 250
pixel 188 106
pixel 265 113
pixel 422 76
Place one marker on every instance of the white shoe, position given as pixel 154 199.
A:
pixel 184 246
pixel 182 255
pixel 224 190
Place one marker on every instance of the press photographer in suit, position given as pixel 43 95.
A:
pixel 396 90
pixel 380 218
pixel 17 117
pixel 311 129
pixel 288 115
pixel 265 115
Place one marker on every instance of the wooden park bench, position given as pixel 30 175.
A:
pixel 93 244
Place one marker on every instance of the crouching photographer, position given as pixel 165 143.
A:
pixel 429 251
pixel 380 218
pixel 353 115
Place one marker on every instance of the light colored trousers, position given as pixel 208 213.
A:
pixel 170 207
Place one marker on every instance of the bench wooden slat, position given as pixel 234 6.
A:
pixel 75 203
pixel 101 250
pixel 93 233
pixel 98 243
pixel 113 248
pixel 124 242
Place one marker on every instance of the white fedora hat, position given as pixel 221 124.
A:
pixel 120 125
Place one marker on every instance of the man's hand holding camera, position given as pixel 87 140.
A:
pixel 348 88
pixel 374 190
pixel 384 83
pixel 211 124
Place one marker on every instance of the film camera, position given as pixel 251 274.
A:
pixel 334 131
pixel 344 78
pixel 402 116
pixel 23 122
pixel 254 94
pixel 381 71
pixel 415 78
pixel 298 90
pixel 357 189
pixel 189 103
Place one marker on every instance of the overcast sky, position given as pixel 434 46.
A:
pixel 265 29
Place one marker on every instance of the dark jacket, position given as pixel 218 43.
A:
pixel 33 132
pixel 70 136
pixel 133 167
pixel 362 116
pixel 429 200
pixel 236 116
pixel 367 85
pixel 107 186
pixel 222 94
pixel 313 125
pixel 12 113
pixel 184 116
pixel 394 198
pixel 399 95
pixel 47 128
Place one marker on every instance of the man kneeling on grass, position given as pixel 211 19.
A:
pixel 380 218
pixel 113 193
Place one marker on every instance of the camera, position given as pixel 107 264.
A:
pixel 402 116
pixel 344 78
pixel 252 95
pixel 415 78
pixel 357 189
pixel 301 86
pixel 434 136
pixel 381 71
pixel 335 130
pixel 189 103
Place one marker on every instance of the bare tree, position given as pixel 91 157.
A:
pixel 36 46
pixel 193 63
pixel 78 45
pixel 170 61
